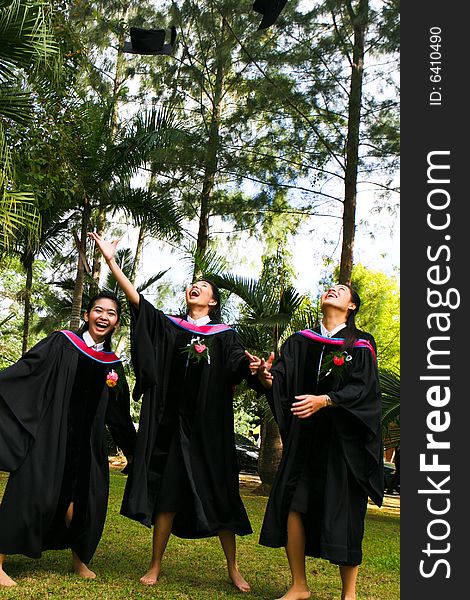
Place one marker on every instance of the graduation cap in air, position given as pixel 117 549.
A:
pixel 149 41
pixel 270 9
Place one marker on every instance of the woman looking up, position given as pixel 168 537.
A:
pixel 324 393
pixel 184 477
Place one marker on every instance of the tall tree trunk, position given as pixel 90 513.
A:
pixel 28 261
pixel 270 452
pixel 359 23
pixel 212 150
pixel 80 276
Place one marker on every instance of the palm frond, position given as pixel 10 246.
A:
pixel 151 280
pixel 17 210
pixel 15 104
pixel 305 318
pixel 391 437
pixel 124 261
pixel 59 307
pixel 27 35
pixel 159 215
pixel 290 300
pixel 149 138
pixel 5 320
pixel 208 263
pixel 259 299
pixel 253 338
pixel 52 237
pixel 274 320
pixel 28 43
pixel 390 391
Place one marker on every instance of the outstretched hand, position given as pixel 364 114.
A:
pixel 261 368
pixel 107 249
pixel 267 364
pixel 255 362
pixel 264 373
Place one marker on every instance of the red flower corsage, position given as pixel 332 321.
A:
pixel 334 362
pixel 197 350
pixel 112 378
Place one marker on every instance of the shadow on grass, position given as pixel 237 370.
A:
pixel 196 569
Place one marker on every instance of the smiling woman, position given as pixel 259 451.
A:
pixel 329 419
pixel 203 298
pixel 54 404
pixel 184 479
pixel 101 318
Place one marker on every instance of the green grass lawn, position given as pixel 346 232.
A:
pixel 195 569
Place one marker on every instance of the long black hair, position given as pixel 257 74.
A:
pixel 91 303
pixel 352 333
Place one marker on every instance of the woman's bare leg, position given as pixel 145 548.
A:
pixel 227 539
pixel 69 514
pixel 161 535
pixel 5 580
pixel 78 566
pixel 348 578
pixel 295 551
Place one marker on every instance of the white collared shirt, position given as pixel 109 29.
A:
pixel 200 321
pixel 326 333
pixel 90 342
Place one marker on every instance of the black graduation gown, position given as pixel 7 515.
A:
pixel 185 459
pixel 54 404
pixel 333 460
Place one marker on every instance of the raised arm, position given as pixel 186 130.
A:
pixel 108 250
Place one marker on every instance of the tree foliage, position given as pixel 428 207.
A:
pixel 390 389
pixel 241 130
pixel 29 54
pixel 380 313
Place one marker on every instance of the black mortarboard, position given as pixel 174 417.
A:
pixel 270 9
pixel 149 41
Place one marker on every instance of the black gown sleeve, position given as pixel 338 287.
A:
pixel 147 325
pixel 361 393
pixel 118 417
pixel 238 363
pixel 23 399
pixel 360 399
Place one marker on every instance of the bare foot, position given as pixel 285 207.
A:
pixel 238 581
pixel 81 569
pixel 296 593
pixel 5 580
pixel 151 577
